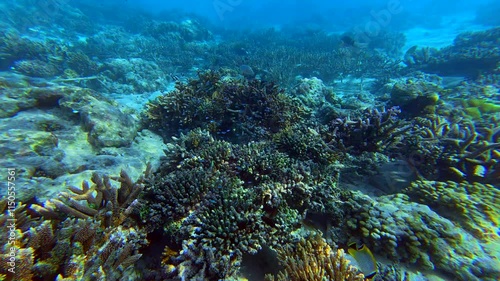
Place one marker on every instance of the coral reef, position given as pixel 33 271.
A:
pixel 312 259
pixel 461 150
pixel 470 54
pixel 224 106
pixel 216 201
pixel 470 205
pixel 243 171
pixel 95 239
pixel 411 233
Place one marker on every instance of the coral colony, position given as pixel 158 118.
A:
pixel 164 148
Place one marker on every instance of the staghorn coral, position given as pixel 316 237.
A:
pixel 101 200
pixel 411 233
pixel 81 63
pixel 471 205
pixel 224 227
pixel 312 259
pixel 36 68
pixel 306 145
pixel 10 241
pixel 77 249
pixel 14 47
pixel 95 244
pixel 461 150
pixel 283 55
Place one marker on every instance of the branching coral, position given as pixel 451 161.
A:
pixel 463 150
pixel 36 68
pixel 373 131
pixel 226 226
pixel 95 244
pixel 81 63
pixel 312 259
pixel 306 145
pixel 226 107
pixel 81 249
pixel 217 201
pixel 100 200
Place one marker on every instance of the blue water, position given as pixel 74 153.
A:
pixel 249 140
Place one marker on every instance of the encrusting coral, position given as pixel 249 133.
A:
pixel 216 201
pixel 312 259
pixel 407 232
pixel 474 206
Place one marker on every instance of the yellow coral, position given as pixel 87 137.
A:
pixel 314 260
pixel 475 205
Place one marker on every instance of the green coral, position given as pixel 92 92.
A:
pixel 477 108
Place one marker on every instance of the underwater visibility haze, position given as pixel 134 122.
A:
pixel 250 140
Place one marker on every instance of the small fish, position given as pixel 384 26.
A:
pixel 174 77
pixel 247 71
pixel 364 258
pixel 348 41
